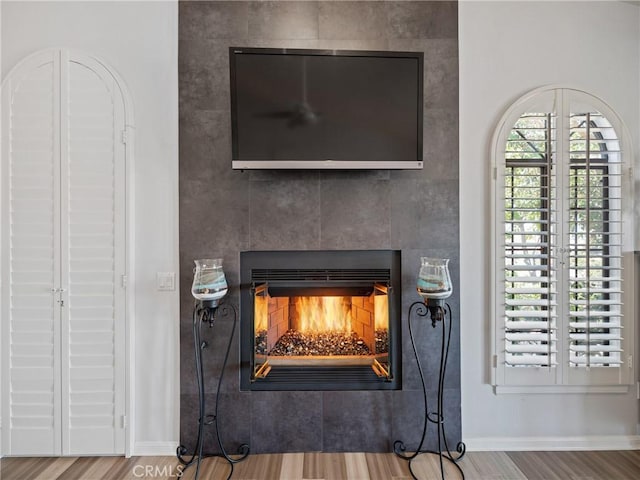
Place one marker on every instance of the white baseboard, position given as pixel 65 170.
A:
pixel 154 449
pixel 600 442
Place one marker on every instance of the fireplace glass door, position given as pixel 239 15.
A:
pixel 326 328
pixel 321 330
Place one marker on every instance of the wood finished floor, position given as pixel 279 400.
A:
pixel 613 465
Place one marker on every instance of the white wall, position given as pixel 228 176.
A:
pixel 140 41
pixel 592 45
pixel 507 49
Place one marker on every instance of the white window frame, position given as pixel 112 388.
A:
pixel 556 99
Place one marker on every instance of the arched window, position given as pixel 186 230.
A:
pixel 562 195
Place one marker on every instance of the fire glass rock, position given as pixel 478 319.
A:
pixel 295 343
pixel 298 343
pixel 382 341
pixel 261 342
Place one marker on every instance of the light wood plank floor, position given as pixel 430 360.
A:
pixel 614 465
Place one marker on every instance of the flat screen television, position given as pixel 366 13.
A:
pixel 319 109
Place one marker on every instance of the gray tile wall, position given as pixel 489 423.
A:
pixel 223 212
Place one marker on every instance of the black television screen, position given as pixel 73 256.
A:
pixel 293 108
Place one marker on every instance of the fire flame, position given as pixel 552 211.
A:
pixel 260 312
pixel 381 305
pixel 323 314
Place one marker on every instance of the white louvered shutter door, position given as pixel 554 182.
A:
pixel 92 229
pixel 30 314
pixel 527 248
pixel 63 255
pixel 530 232
pixel 594 246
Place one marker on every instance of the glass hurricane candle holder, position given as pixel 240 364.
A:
pixel 209 283
pixel 434 282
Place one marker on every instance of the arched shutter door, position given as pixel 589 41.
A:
pixel 93 262
pixel 77 388
pixel 30 257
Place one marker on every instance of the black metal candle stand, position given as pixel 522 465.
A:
pixel 207 313
pixel 435 309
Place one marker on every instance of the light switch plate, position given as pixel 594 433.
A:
pixel 165 281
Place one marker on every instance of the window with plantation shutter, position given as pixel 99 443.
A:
pixel 559 243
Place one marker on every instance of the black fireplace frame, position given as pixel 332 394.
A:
pixel 335 271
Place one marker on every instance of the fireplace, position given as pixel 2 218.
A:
pixel 320 320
